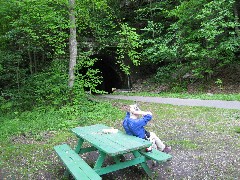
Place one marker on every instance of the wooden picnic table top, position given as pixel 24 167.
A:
pixel 113 143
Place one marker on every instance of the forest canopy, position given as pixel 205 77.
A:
pixel 184 40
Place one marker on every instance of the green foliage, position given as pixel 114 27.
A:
pixel 41 23
pixel 50 119
pixel 48 88
pixel 156 47
pixel 92 78
pixel 199 35
pixel 39 36
pixel 31 33
pixel 127 47
pixel 95 24
pixel 172 75
pixel 205 38
pixel 164 74
pixel 11 73
pixel 5 106
pixel 219 83
pixel 194 37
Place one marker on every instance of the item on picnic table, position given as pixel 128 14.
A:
pixel 108 131
pixel 149 149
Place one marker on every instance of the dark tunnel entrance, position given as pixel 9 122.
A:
pixel 113 77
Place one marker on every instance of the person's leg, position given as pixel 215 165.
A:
pixel 152 140
pixel 156 141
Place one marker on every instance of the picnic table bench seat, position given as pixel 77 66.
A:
pixel 75 164
pixel 157 155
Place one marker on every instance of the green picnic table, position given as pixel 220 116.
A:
pixel 107 144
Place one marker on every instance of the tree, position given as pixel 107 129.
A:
pixel 237 16
pixel 72 43
pixel 198 37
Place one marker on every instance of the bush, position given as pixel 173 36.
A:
pixel 51 119
pixel 173 75
pixel 48 88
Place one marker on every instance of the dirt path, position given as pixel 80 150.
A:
pixel 181 102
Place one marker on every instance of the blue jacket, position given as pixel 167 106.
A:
pixel 135 127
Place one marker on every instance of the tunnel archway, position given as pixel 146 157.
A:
pixel 113 77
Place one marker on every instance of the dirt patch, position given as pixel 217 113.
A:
pixel 223 86
pixel 29 138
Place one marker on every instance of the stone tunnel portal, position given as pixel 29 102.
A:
pixel 113 77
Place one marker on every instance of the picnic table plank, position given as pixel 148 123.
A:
pixel 99 143
pixel 121 165
pixel 117 143
pixel 157 155
pixel 75 164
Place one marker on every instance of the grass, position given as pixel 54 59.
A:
pixel 184 95
pixel 39 120
pixel 237 129
pixel 186 144
pixel 27 138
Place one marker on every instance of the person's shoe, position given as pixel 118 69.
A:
pixel 154 163
pixel 167 149
pixel 122 158
pixel 149 149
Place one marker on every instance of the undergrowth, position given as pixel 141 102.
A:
pixel 50 119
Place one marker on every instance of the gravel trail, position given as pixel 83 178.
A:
pixel 180 102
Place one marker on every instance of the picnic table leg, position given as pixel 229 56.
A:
pixel 66 174
pixel 79 145
pixel 100 160
pixel 144 164
pixel 116 159
pixel 119 158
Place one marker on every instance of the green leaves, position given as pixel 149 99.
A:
pixel 127 47
pixel 89 80
pixel 42 22
pixel 197 37
pixel 203 34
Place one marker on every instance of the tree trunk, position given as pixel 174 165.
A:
pixel 35 60
pixel 18 73
pixel 30 59
pixel 72 43
pixel 236 13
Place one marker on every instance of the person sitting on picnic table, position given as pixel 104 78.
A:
pixel 134 123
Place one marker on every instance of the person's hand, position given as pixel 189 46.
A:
pixel 147 112
pixel 143 113
pixel 125 108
